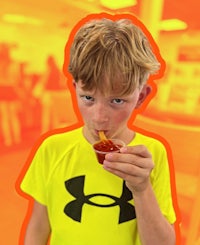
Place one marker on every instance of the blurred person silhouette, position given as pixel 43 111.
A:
pixel 127 200
pixel 165 84
pixel 9 98
pixel 27 99
pixel 47 90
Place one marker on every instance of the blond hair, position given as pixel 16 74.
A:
pixel 115 51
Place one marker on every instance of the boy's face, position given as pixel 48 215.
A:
pixel 108 113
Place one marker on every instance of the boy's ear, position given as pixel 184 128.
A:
pixel 145 91
pixel 74 83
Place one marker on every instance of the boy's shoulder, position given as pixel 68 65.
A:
pixel 150 139
pixel 64 134
pixel 61 138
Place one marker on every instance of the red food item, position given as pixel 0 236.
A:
pixel 103 147
pixel 106 146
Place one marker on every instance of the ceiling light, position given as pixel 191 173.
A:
pixel 172 25
pixel 118 4
pixel 21 19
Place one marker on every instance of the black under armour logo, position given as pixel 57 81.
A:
pixel 73 209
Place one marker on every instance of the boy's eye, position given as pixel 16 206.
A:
pixel 118 101
pixel 87 98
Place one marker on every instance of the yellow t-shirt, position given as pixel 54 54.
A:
pixel 86 204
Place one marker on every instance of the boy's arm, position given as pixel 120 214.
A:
pixel 153 227
pixel 135 166
pixel 38 229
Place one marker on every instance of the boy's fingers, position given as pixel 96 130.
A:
pixel 139 150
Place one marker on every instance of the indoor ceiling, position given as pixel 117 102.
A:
pixel 186 10
pixel 67 12
pixel 35 28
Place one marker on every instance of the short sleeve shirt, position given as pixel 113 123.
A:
pixel 86 204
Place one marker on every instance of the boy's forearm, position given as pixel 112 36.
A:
pixel 38 229
pixel 35 236
pixel 152 225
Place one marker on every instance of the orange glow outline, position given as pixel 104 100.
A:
pixel 79 122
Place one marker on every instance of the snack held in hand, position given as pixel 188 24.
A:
pixel 105 146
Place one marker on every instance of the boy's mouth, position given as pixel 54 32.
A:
pixel 98 130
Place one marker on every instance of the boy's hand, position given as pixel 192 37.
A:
pixel 133 164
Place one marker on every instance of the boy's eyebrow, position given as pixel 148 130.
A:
pixel 106 93
pixel 87 92
pixel 118 96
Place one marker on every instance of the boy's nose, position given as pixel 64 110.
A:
pixel 101 114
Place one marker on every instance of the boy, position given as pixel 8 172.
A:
pixel 127 200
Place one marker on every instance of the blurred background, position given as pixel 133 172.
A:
pixel 34 97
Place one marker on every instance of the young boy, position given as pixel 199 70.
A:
pixel 127 200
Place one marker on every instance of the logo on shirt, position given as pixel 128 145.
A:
pixel 73 209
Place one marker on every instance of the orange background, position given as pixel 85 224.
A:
pixel 33 31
